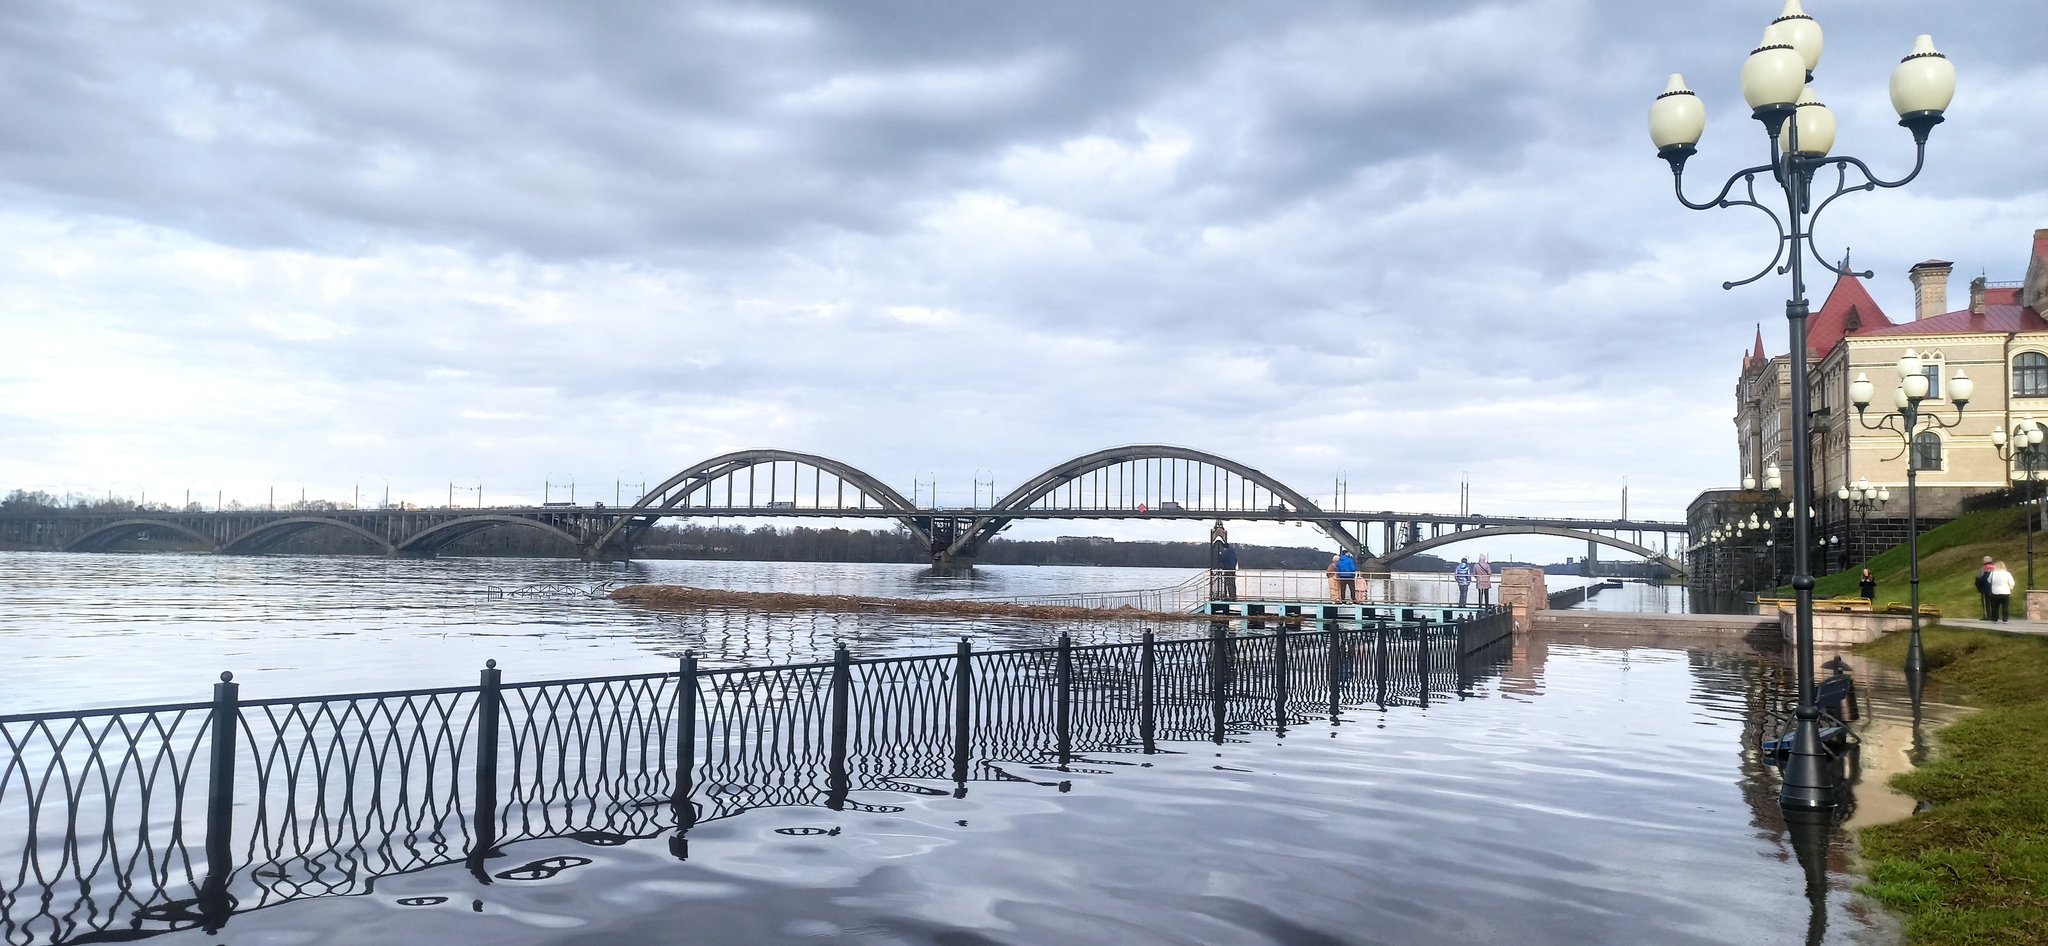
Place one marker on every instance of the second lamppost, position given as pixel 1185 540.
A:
pixel 1912 425
pixel 2025 447
pixel 1863 497
pixel 1801 131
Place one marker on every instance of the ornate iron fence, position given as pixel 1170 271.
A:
pixel 121 823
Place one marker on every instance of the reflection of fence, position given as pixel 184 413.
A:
pixel 127 822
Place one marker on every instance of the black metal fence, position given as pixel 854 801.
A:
pixel 120 823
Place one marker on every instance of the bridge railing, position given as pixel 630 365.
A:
pixel 120 823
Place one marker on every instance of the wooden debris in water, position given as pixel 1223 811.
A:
pixel 680 597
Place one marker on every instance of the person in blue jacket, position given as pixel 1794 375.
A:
pixel 1464 575
pixel 1347 577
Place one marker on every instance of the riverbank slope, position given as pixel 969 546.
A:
pixel 1973 867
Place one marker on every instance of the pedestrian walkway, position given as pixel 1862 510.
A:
pixel 2010 627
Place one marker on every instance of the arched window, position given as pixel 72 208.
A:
pixel 2030 374
pixel 1927 451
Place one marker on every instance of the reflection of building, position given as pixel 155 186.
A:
pixel 2000 340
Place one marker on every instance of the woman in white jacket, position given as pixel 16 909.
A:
pixel 2001 592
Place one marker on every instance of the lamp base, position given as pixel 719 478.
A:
pixel 1921 123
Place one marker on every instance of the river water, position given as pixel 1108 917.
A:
pixel 1593 791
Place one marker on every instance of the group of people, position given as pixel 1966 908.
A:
pixel 1994 586
pixel 1343 574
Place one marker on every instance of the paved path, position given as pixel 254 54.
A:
pixel 2010 627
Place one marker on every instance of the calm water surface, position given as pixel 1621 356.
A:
pixel 1593 792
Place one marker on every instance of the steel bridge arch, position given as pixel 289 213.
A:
pixel 256 540
pixel 985 528
pixel 101 536
pixel 625 534
pixel 1559 531
pixel 434 537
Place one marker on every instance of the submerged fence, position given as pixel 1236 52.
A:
pixel 120 823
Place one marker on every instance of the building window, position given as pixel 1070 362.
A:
pixel 1927 451
pixel 1933 372
pixel 2030 375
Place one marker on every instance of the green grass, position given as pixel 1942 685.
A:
pixel 1973 869
pixel 1949 559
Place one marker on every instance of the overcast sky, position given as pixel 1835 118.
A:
pixel 396 242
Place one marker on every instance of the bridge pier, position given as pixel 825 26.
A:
pixel 952 563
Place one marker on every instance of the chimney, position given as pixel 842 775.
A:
pixel 1977 296
pixel 1930 287
pixel 2034 292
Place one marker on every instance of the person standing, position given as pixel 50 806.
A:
pixel 1984 586
pixel 1228 560
pixel 1331 570
pixel 1868 586
pixel 1463 573
pixel 1347 577
pixel 2001 583
pixel 1482 575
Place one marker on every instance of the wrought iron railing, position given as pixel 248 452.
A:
pixel 121 823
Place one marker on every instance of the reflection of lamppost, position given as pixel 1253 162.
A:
pixel 2026 448
pixel 1916 433
pixel 1863 497
pixel 1801 131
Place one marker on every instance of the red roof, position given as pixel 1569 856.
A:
pixel 1996 320
pixel 1758 354
pixel 1849 310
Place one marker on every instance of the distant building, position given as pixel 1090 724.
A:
pixel 2000 340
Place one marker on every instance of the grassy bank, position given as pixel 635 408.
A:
pixel 1973 869
pixel 1949 559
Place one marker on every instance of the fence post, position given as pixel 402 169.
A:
pixel 1336 670
pixel 686 739
pixel 963 706
pixel 1148 673
pixel 1219 679
pixel 1422 659
pixel 214 903
pixel 1280 677
pixel 837 783
pixel 1382 658
pixel 484 803
pixel 1063 721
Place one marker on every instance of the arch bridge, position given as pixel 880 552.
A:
pixel 1140 481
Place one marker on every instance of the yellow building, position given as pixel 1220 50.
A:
pixel 1999 340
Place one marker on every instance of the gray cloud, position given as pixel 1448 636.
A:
pixel 1402 240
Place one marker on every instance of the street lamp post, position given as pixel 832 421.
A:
pixel 1863 497
pixel 1909 423
pixel 2026 448
pixel 1801 132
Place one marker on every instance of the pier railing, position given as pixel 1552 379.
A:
pixel 122 823
pixel 1261 584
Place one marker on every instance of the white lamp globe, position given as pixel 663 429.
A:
pixel 1961 387
pixel 1915 386
pixel 1774 72
pixel 1801 31
pixel 1998 437
pixel 1899 399
pixel 1884 495
pixel 1909 364
pixel 1748 483
pixel 1677 117
pixel 1842 493
pixel 1814 124
pixel 1923 83
pixel 1860 390
pixel 2035 435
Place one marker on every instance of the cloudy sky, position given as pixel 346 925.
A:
pixel 326 244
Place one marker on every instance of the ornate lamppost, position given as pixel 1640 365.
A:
pixel 1911 424
pixel 2025 447
pixel 1801 131
pixel 1862 498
